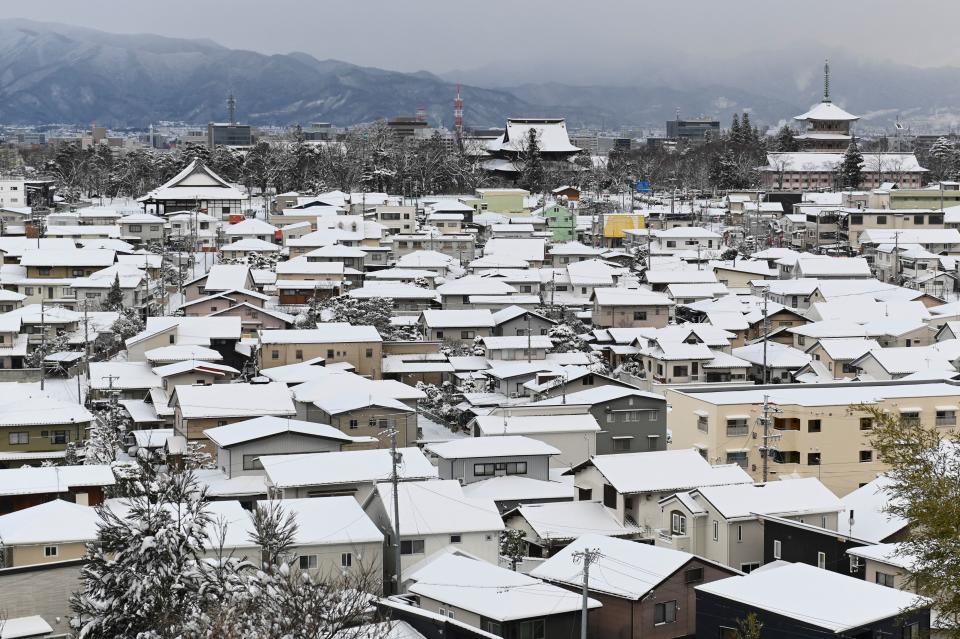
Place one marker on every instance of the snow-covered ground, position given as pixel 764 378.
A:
pixel 431 431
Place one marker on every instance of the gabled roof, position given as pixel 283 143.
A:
pixel 234 400
pixel 480 318
pixel 787 497
pixel 503 446
pixel 324 333
pixel 329 521
pixel 268 426
pixel 347 467
pixel 664 471
pixel 869 518
pixel 438 506
pixel 536 424
pixel 45 523
pixel 566 520
pixel 53 479
pixel 658 563
pixel 820 598
pixel 195 182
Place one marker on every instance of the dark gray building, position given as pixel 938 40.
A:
pixel 478 458
pixel 692 130
pixel 229 135
pixel 631 420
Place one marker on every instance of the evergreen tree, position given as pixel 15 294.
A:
pixel 786 142
pixel 532 173
pixel 943 159
pixel 144 575
pixel 735 128
pixel 114 300
pixel 850 171
pixel 747 134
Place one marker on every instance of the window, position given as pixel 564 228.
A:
pixel 275 355
pixel 439 334
pixel 866 456
pixel 51 551
pixel 622 444
pixel 299 354
pixel 530 629
pixel 881 219
pixel 680 371
pixel 738 457
pixel 813 459
pixel 354 424
pixel 136 228
pixel 678 524
pixel 821 560
pixel 491 626
pixel 587 380
pixel 910 419
pixel 693 575
pixel 856 219
pixel 737 427
pixel 455 539
pixel 411 546
pixel 813 425
pixel 515 468
pixel 369 353
pixel 801 340
pixel 346 559
pixel 466 334
pixel 308 562
pixel 884 579
pixel 777 548
pixel 17 439
pixel 329 353
pixel 665 612
pixel 609 496
pixel 716 530
pixel 749 567
pixel 44 270
pixel 866 423
pixel 918 219
pixel 653 415
pixel 484 470
pixel 173 339
pixel 59 436
pixel 854 564
pixel 252 462
pixel 739 533
pixel 639 315
pixel 911 630
pixel 946 418
pixel 702 423
pixel 584 494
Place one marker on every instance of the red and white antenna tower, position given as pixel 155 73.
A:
pixel 421 113
pixel 458 112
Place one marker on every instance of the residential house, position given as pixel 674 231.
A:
pixel 26 486
pixel 722 523
pixel 351 472
pixel 646 591
pixel 792 600
pixel 195 187
pixel 624 307
pixel 458 326
pixel 361 346
pixel 548 528
pixel 37 535
pixel 514 320
pixel 219 279
pixel 574 435
pixel 496 600
pixel 142 228
pixel 435 515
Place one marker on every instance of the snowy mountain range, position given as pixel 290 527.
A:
pixel 51 73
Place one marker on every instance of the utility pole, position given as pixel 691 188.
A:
pixel 395 480
pixel 86 341
pixel 766 331
pixel 587 556
pixel 529 339
pixel 767 437
pixel 43 342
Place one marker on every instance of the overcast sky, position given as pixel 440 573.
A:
pixel 442 35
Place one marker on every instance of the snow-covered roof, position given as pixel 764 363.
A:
pixel 657 564
pixel 475 285
pixel 536 424
pixel 195 182
pixel 817 597
pixel 44 523
pixel 329 521
pixel 597 395
pixel 826 162
pixel 180 353
pixel 826 111
pixel 53 479
pixel 249 226
pixel 778 355
pixel 435 507
pixel 23 627
pixel 909 236
pixel 479 318
pixel 490 591
pixel 251 244
pixel 75 257
pixel 503 446
pixel 516 341
pixel 664 471
pixel 324 333
pixel 347 467
pixel 895 554
pixel 906 360
pixel 226 277
pixel 529 249
pixel 195 365
pixel 787 497
pixel 867 508
pixel 617 296
pixel 300 265
pixel 847 348
pixel 685 276
pixel 123 376
pixel 268 426
pixel 561 521
pixel 42 410
pixel 551 135
pixel 844 394
pixel 234 400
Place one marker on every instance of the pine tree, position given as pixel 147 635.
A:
pixel 532 173
pixel 746 130
pixel 114 300
pixel 786 142
pixel 735 128
pixel 144 575
pixel 850 171
pixel 944 160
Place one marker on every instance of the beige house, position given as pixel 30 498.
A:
pixel 819 432
pixel 836 355
pixel 885 564
pixel 360 346
pixel 37 535
pixel 630 308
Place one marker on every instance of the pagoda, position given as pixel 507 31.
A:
pixel 827 125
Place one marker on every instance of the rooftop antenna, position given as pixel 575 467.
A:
pixel 232 109
pixel 826 80
pixel 458 112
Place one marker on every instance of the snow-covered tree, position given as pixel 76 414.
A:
pixel 107 436
pixel 127 324
pixel 944 159
pixel 512 546
pixel 531 164
pixel 143 576
pixel 565 339
pixel 374 311
pixel 53 344
pixel 786 141
pixel 850 171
